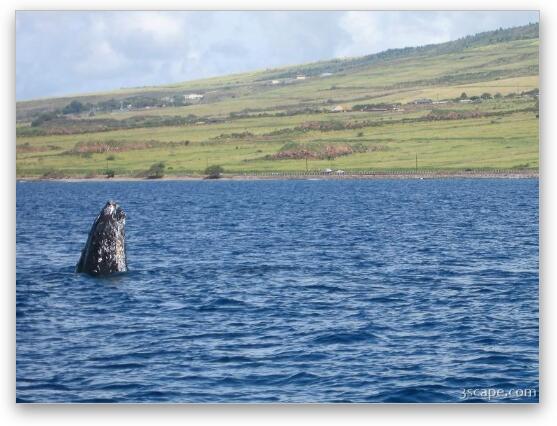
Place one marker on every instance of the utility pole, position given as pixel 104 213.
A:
pixel 416 162
pixel 306 163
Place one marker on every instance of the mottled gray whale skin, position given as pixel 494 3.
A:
pixel 105 250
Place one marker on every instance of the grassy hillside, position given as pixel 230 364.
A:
pixel 282 119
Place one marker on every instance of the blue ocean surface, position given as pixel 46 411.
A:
pixel 282 291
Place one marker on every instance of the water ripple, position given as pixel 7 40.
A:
pixel 281 291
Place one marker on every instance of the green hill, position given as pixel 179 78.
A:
pixel 465 104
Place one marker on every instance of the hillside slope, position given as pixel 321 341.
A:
pixel 465 104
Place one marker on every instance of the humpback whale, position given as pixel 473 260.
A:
pixel 105 250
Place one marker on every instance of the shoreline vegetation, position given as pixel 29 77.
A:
pixel 498 174
pixel 469 107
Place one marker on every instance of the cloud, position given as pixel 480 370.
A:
pixel 160 27
pixel 101 60
pixel 68 52
pixel 372 32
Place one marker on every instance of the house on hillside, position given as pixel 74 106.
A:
pixel 300 77
pixel 193 97
pixel 275 81
pixel 422 101
pixel 326 74
pixel 339 108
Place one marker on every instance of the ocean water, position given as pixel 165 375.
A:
pixel 281 291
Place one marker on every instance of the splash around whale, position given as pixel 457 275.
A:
pixel 105 250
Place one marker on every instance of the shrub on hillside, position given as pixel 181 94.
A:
pixel 156 171
pixel 74 107
pixel 214 171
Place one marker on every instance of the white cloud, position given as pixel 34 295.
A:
pixel 101 59
pixel 371 32
pixel 160 27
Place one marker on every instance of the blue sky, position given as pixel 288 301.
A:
pixel 59 53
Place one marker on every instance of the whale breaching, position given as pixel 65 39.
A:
pixel 105 250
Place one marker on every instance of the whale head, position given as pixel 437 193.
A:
pixel 105 250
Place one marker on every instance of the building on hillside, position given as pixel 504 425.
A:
pixel 300 77
pixel 193 97
pixel 422 101
pixel 339 108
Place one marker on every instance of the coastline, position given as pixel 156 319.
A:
pixel 303 176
